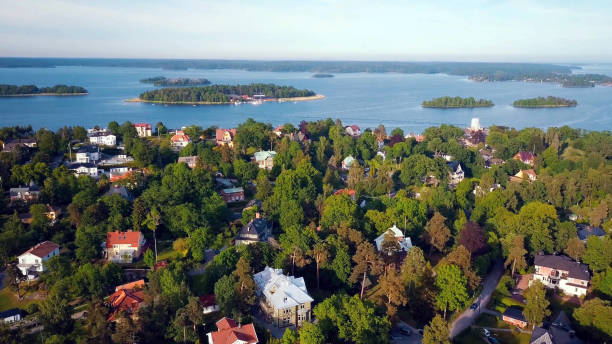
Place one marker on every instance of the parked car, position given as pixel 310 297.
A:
pixel 486 332
pixel 474 306
pixel 492 340
pixel 405 331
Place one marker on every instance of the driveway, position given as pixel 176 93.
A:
pixel 489 284
pixel 399 338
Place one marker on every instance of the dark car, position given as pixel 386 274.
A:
pixel 405 331
pixel 474 306
pixel 493 340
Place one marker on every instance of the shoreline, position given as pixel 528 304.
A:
pixel 293 99
pixel 45 94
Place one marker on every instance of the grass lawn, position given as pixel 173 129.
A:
pixel 9 300
pixel 500 302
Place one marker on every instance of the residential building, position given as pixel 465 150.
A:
pixel 417 137
pixel 265 159
pixel 10 316
pixel 143 129
pixel 25 194
pixel 31 262
pixel 348 162
pixel 524 175
pixel 585 231
pixel 119 190
pixel 209 304
pixel 456 174
pixel 515 317
pixel 404 242
pixel 278 131
pixel 353 130
pixel 123 247
pixel 24 143
pixel 87 154
pixel 257 230
pixel 104 138
pixel 85 169
pixel 233 194
pixel 191 161
pixel 180 139
pixel 525 157
pixel 558 331
pixel 225 137
pixel 349 192
pixel 119 173
pixel 283 300
pixel 52 214
pixel 562 272
pixel 127 297
pixel 228 332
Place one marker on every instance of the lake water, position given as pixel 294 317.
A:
pixel 360 98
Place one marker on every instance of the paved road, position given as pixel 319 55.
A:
pixel 489 284
pixel 399 338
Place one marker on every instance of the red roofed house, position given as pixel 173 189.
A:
pixel 31 262
pixel 143 129
pixel 123 247
pixel 209 304
pixel 231 333
pixel 349 192
pixel 180 139
pixel 225 137
pixel 127 297
pixel 353 130
pixel 119 173
pixel 525 157
pixel 524 175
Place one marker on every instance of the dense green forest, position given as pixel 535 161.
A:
pixel 222 93
pixel 544 102
pixel 9 90
pixel 565 79
pixel 456 102
pixel 163 81
pixel 322 75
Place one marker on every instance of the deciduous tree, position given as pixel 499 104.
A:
pixel 451 284
pixel 436 332
pixel 536 308
pixel 368 262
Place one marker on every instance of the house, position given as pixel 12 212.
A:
pixel 349 192
pixel 456 174
pixel 233 194
pixel 265 159
pixel 257 230
pixel 348 162
pixel 209 304
pixel 225 137
pixel 12 144
pixel 10 316
pixel 585 231
pixel 514 316
pixel 85 169
pixel 524 175
pixel 88 153
pixel 417 137
pixel 119 173
pixel 278 131
pixel 143 129
pixel 24 194
pixel 283 300
pixel 123 247
pixel 563 273
pixel 104 138
pixel 228 332
pixel 559 331
pixel 353 130
pixel 404 242
pixel 31 262
pixel 191 161
pixel 525 157
pixel 127 297
pixel 180 139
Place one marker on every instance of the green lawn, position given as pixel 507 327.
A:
pixel 500 302
pixel 9 300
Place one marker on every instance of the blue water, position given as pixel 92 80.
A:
pixel 363 99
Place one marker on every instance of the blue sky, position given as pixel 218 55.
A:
pixel 461 30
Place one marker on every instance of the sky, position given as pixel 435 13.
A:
pixel 409 30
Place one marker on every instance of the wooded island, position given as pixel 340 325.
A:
pixel 456 102
pixel 541 102
pixel 32 90
pixel 322 75
pixel 163 81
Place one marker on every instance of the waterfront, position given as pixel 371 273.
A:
pixel 357 98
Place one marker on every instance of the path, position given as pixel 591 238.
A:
pixel 490 282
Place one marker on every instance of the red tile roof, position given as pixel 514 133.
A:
pixel 42 249
pixel 220 133
pixel 349 192
pixel 524 156
pixel 180 136
pixel 140 284
pixel 122 238
pixel 229 332
pixel 125 300
pixel 144 125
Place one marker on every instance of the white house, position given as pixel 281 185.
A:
pixel 87 169
pixel 404 242
pixel 143 129
pixel 10 315
pixel 265 159
pixel 180 139
pixel 353 130
pixel 31 263
pixel 456 175
pixel 103 138
pixel 87 154
pixel 123 247
pixel 562 272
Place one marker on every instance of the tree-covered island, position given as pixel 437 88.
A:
pixel 456 102
pixel 542 102
pixel 322 75
pixel 163 81
pixel 32 90
pixel 226 94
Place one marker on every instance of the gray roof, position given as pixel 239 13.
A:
pixel 119 190
pixel 555 334
pixel 260 227
pixel 586 231
pixel 540 336
pixel 574 269
pixel 514 313
pixel 88 149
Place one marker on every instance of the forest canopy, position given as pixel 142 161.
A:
pixel 456 102
pixel 11 90
pixel 541 102
pixel 163 81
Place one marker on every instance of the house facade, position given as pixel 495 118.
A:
pixel 229 332
pixel 85 169
pixel 515 317
pixel 24 194
pixel 265 159
pixel 103 138
pixel 31 262
pixel 87 154
pixel 143 129
pixel 456 174
pixel 562 272
pixel 225 137
pixel 123 247
pixel 283 300
pixel 10 316
pixel 232 194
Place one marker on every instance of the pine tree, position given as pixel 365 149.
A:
pixel 367 262
pixel 516 256
pixel 391 289
pixel 436 332
pixel 320 254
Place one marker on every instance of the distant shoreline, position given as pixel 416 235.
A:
pixel 543 106
pixel 44 94
pixel 292 99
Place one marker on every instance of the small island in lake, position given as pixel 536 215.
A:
pixel 226 94
pixel 541 102
pixel 322 75
pixel 163 81
pixel 456 102
pixel 32 90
